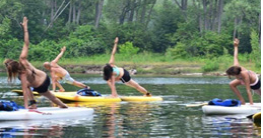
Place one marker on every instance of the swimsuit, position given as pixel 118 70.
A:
pixel 126 76
pixel 68 79
pixel 116 70
pixel 44 86
pixel 256 85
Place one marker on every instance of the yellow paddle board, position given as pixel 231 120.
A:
pixel 77 98
pixel 72 96
pixel 20 92
pixel 257 119
pixel 140 98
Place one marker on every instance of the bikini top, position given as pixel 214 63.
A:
pixel 116 70
pixel 249 73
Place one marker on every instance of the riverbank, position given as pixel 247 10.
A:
pixel 158 69
pixel 151 64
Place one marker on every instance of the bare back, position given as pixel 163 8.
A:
pixel 35 77
pixel 58 70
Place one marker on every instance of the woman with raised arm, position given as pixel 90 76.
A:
pixel 243 77
pixel 112 73
pixel 30 76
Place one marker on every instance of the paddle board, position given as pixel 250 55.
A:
pixel 20 92
pixel 46 113
pixel 65 96
pixel 222 110
pixel 257 119
pixel 140 98
pixel 73 97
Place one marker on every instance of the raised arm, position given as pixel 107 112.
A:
pixel 113 51
pixel 236 43
pixel 26 40
pixel 59 55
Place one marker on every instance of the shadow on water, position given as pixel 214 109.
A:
pixel 166 119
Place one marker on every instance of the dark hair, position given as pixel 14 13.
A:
pixel 13 68
pixel 234 70
pixel 107 72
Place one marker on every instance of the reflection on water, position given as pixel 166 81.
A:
pixel 167 119
pixel 46 128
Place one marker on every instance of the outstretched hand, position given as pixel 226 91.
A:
pixel 63 49
pixel 24 22
pixel 236 42
pixel 116 40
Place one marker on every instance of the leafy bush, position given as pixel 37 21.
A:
pixel 10 48
pixel 178 51
pixel 127 50
pixel 210 66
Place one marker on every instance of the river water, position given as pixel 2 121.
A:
pixel 166 119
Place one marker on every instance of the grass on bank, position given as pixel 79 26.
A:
pixel 157 63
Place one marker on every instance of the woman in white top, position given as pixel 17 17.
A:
pixel 243 77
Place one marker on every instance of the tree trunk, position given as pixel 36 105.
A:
pixel 124 12
pixel 205 11
pixel 132 9
pixel 52 10
pixel 55 5
pixel 74 13
pixel 149 15
pixel 79 12
pixel 137 18
pixel 210 15
pixel 99 6
pixel 220 11
pixel 70 12
pixel 182 7
pixel 143 11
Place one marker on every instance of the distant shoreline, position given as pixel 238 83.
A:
pixel 177 70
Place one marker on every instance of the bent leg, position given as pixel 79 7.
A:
pixel 61 89
pixel 233 85
pixel 54 99
pixel 135 85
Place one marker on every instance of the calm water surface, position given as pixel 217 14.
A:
pixel 167 119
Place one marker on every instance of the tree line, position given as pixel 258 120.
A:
pixel 180 28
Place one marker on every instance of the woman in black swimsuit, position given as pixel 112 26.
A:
pixel 30 76
pixel 243 77
pixel 112 73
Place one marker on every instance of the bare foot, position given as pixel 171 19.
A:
pixel 114 96
pixel 148 94
pixel 64 106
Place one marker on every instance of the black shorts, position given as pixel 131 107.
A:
pixel 126 76
pixel 257 86
pixel 44 86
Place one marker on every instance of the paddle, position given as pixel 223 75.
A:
pixel 196 105
pixel 250 116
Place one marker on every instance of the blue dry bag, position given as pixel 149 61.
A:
pixel 6 105
pixel 227 102
pixel 88 92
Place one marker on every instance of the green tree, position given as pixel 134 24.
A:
pixel 256 50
